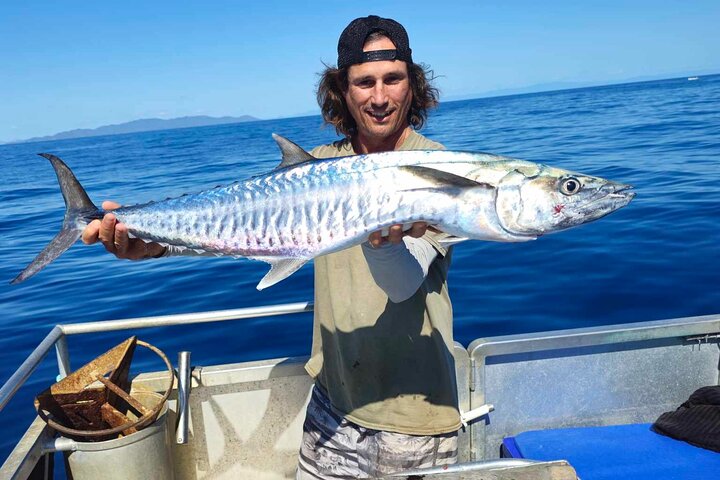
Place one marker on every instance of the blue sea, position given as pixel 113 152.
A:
pixel 657 258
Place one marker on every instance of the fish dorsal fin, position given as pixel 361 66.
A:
pixel 442 179
pixel 280 269
pixel 292 154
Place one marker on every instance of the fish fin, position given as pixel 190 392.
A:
pixel 78 210
pixel 292 153
pixel 280 269
pixel 441 179
pixel 57 246
pixel 451 240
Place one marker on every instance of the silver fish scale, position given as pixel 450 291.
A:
pixel 314 208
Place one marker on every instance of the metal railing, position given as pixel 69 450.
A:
pixel 58 336
pixel 701 328
pixel 704 326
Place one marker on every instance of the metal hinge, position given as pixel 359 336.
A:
pixel 700 339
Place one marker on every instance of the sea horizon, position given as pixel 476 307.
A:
pixel 454 98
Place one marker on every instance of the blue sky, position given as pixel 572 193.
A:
pixel 67 65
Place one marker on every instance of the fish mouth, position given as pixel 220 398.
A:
pixel 615 191
pixel 620 188
pixel 610 198
pixel 621 192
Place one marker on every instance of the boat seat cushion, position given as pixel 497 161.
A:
pixel 614 452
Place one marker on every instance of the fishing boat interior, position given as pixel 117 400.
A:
pixel 552 405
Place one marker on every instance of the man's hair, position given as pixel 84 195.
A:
pixel 334 83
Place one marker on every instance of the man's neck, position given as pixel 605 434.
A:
pixel 363 145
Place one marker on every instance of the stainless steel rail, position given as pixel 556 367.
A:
pixel 478 349
pixel 482 348
pixel 57 336
pixel 184 385
pixel 21 375
pixel 473 467
pixel 186 318
pixel 592 336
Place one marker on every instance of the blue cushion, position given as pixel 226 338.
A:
pixel 615 452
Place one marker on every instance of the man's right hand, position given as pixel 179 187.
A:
pixel 114 236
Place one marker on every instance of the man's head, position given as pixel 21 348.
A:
pixel 377 90
pixel 353 39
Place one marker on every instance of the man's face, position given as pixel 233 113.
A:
pixel 379 94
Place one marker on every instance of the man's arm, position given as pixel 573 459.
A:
pixel 400 268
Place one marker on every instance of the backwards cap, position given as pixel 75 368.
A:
pixel 352 39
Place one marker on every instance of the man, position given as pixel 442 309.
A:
pixel 385 397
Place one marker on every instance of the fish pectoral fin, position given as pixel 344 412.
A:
pixel 451 240
pixel 280 269
pixel 441 181
pixel 292 153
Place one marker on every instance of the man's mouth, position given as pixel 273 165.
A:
pixel 380 116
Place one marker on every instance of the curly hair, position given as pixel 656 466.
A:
pixel 333 85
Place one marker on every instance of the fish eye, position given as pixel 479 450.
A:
pixel 570 186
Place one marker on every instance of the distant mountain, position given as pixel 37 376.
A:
pixel 143 125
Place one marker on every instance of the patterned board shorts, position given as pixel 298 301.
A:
pixel 335 448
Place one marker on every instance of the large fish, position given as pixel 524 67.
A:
pixel 308 207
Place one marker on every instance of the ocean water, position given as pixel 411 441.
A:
pixel 657 258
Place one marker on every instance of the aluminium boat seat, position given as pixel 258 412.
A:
pixel 615 452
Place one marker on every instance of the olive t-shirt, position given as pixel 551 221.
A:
pixel 386 366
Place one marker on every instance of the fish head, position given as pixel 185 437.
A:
pixel 537 199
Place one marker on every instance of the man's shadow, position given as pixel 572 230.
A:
pixel 391 359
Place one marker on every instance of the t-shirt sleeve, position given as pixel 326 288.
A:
pixel 400 269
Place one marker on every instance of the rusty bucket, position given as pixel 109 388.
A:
pixel 110 430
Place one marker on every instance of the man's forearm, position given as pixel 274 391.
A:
pixel 399 269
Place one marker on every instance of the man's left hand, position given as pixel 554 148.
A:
pixel 396 234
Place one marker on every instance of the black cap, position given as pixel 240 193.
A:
pixel 352 39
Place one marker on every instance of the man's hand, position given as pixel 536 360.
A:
pixel 114 236
pixel 396 234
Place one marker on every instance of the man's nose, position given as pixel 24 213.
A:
pixel 379 95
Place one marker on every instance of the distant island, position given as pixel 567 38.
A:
pixel 143 125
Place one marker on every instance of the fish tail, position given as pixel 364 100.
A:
pixel 79 209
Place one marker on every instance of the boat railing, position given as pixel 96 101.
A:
pixel 478 349
pixel 58 336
